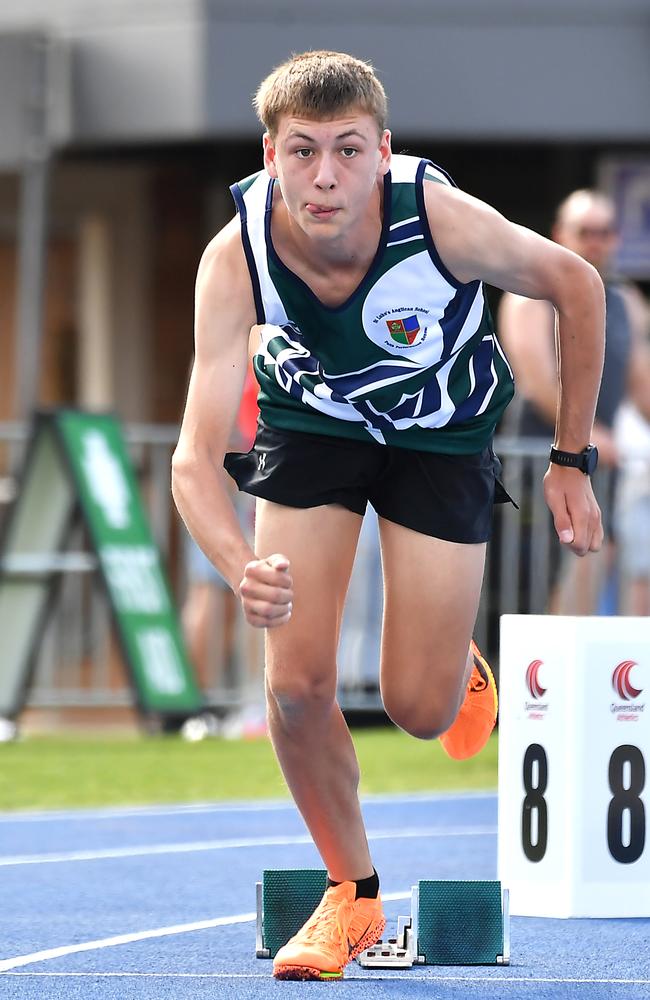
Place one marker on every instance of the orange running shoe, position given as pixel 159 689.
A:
pixel 339 929
pixel 478 713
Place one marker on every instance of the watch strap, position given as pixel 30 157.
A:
pixel 582 460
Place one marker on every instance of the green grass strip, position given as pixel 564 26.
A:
pixel 55 772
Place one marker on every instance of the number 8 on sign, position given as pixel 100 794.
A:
pixel 534 814
pixel 626 813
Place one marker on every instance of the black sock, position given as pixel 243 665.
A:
pixel 367 888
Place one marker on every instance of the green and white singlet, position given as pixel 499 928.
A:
pixel 410 359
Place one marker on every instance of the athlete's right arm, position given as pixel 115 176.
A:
pixel 224 315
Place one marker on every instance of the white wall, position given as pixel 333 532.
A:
pixel 172 70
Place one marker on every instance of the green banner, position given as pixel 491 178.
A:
pixel 130 562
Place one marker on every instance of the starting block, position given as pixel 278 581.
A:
pixel 451 923
pixel 286 898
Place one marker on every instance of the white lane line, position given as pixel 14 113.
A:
pixel 191 847
pixel 110 942
pixel 144 975
pixel 244 806
pixel 500 977
pixel 143 812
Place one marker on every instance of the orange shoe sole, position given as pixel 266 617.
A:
pixel 306 972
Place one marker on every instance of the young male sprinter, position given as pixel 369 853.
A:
pixel 380 380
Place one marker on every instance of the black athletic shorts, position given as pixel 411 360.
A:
pixel 446 496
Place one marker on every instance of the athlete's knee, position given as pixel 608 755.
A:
pixel 426 718
pixel 301 692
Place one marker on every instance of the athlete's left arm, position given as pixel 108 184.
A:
pixel 475 242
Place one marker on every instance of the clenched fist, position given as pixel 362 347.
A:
pixel 266 591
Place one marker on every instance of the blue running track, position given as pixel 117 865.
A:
pixel 159 902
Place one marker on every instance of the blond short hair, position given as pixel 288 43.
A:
pixel 320 85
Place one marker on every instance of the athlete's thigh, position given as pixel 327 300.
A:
pixel 320 543
pixel 431 594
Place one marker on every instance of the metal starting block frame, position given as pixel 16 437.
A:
pixel 394 953
pixel 451 922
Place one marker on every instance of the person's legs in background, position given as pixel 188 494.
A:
pixel 633 533
pixel 208 619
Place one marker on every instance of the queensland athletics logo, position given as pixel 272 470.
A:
pixel 621 681
pixel 404 331
pixel 536 708
pixel 627 693
pixel 532 680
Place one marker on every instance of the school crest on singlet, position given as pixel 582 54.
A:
pixel 409 359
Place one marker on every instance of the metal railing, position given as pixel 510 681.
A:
pixel 79 664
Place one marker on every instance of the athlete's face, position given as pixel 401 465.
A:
pixel 328 170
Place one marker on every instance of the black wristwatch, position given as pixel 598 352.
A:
pixel 585 460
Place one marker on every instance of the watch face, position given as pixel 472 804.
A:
pixel 591 459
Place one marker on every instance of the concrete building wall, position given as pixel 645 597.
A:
pixel 173 70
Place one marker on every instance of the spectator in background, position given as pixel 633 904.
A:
pixel 632 508
pixel 584 223
pixel 632 511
